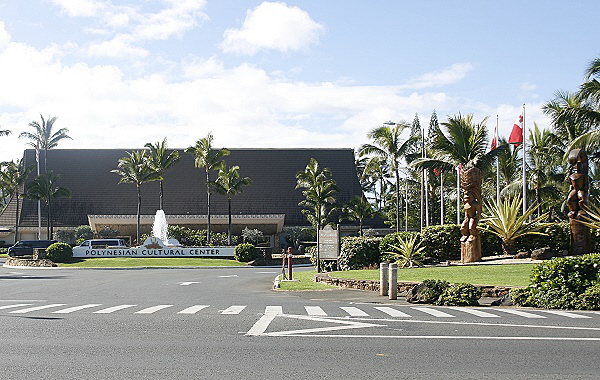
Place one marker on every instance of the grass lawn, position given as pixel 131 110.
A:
pixel 506 274
pixel 133 262
pixel 305 282
pixel 3 254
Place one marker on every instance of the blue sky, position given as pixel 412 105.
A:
pixel 119 74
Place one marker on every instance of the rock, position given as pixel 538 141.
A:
pixel 430 261
pixel 523 255
pixel 545 253
pixel 419 294
pixel 506 300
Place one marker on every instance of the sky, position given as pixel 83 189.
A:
pixel 269 74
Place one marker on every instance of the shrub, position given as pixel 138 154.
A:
pixel 408 252
pixel 84 232
pixel 590 299
pixel 59 252
pixel 359 252
pixel 433 289
pixel 490 244
pixel 393 239
pixel 106 232
pixel 460 295
pixel 246 252
pixel 187 236
pixel 522 296
pixel 64 236
pixel 557 237
pixel 442 242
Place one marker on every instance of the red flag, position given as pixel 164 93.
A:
pixel 495 139
pixel 437 172
pixel 516 136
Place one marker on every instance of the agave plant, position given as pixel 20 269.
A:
pixel 592 217
pixel 408 252
pixel 502 219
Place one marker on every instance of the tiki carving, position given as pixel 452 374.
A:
pixel 470 241
pixel 577 201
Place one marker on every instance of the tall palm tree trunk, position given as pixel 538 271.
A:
pixel 139 209
pixel 229 227
pixel 160 202
pixel 207 207
pixel 397 200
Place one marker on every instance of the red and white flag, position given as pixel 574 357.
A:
pixel 494 139
pixel 516 136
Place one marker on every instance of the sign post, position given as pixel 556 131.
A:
pixel 328 244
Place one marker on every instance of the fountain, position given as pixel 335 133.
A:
pixel 159 230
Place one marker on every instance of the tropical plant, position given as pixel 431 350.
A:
pixel 319 191
pixel 43 138
pixel 408 252
pixel 13 176
pixel 210 159
pixel 43 188
pixel 229 183
pixel 504 220
pixel 388 144
pixel 136 169
pixel 160 161
pixel 357 209
pixel 59 252
pixel 83 232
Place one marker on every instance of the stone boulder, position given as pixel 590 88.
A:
pixel 506 300
pixel 523 255
pixel 420 293
pixel 545 253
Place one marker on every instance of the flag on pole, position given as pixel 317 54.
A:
pixel 494 144
pixel 516 136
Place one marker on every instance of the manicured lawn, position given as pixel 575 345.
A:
pixel 305 282
pixel 133 262
pixel 506 274
pixel 3 254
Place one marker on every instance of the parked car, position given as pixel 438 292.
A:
pixel 25 247
pixel 103 243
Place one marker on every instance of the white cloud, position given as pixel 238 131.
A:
pixel 81 8
pixel 4 36
pixel 438 78
pixel 175 20
pixel 119 47
pixel 273 26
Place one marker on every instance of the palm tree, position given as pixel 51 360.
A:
pixel 229 183
pixel 13 176
pixel 466 147
pixel 43 188
pixel 388 144
pixel 43 137
pixel 160 161
pixel 136 169
pixel 358 209
pixel 503 220
pixel 319 191
pixel 209 159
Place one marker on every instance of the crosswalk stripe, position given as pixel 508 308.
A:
pixel 354 311
pixel 393 312
pixel 233 310
pixel 274 310
pixel 152 309
pixel 479 313
pixel 36 308
pixel 193 309
pixel 434 312
pixel 315 311
pixel 566 314
pixel 14 306
pixel 521 313
pixel 76 308
pixel 112 309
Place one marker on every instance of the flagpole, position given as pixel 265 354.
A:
pixel 524 163
pixel 39 205
pixel 442 198
pixel 497 166
pixel 458 195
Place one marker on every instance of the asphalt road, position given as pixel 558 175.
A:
pixel 227 323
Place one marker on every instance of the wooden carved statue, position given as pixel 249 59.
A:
pixel 470 242
pixel 577 201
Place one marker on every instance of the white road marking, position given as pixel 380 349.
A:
pixel 435 337
pixel 434 312
pixel 354 311
pixel 479 313
pixel 521 313
pixel 76 308
pixel 193 309
pixel 153 309
pixel 188 283
pixel 567 314
pixel 315 311
pixel 392 312
pixel 347 324
pixel 231 275
pixel 267 272
pixel 36 308
pixel 14 306
pixel 233 310
pixel 261 325
pixel 109 310
pixel 274 310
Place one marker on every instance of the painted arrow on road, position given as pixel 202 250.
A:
pixel 263 323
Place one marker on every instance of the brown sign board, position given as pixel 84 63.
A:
pixel 329 243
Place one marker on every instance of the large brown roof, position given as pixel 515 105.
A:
pixel 96 191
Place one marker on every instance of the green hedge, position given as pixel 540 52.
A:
pixel 359 252
pixel 442 242
pixel 59 252
pixel 246 252
pixel 557 238
pixel 563 283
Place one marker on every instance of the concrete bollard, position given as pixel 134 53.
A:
pixel 383 279
pixel 393 282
